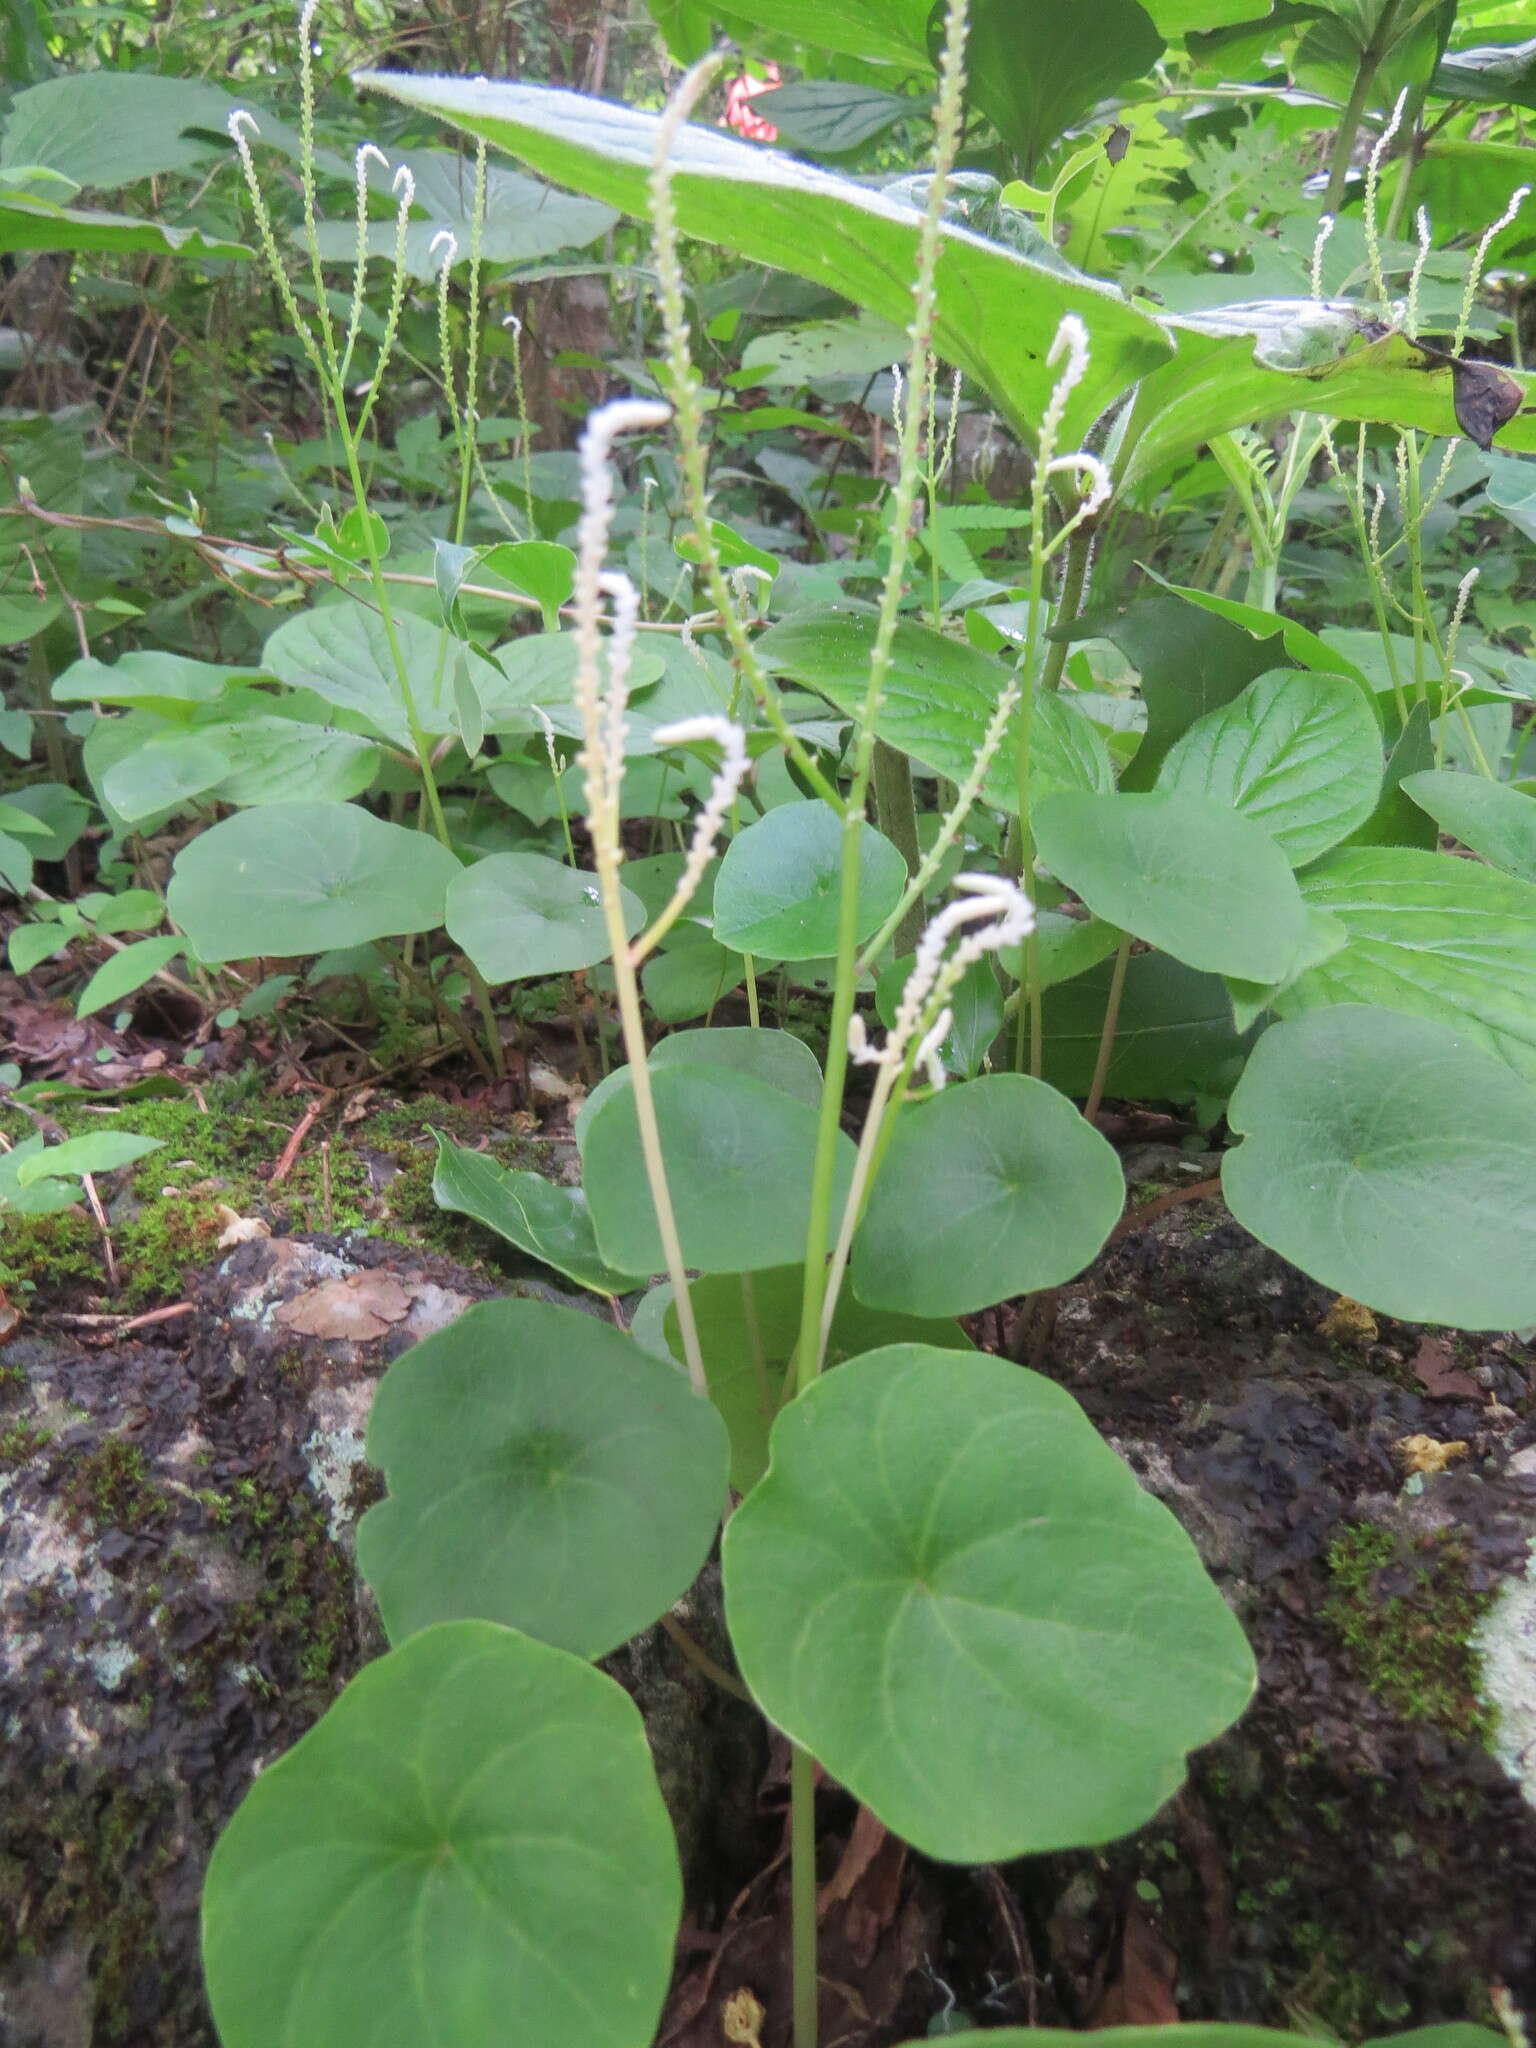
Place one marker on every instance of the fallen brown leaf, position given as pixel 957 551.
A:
pixel 1142 1992
pixel 355 1309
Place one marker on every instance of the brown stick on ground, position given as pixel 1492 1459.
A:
pixel 290 1151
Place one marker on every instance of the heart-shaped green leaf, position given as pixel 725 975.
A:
pixel 544 1220
pixel 989 1189
pixel 475 1811
pixel 1494 820
pixel 343 653
pixel 776 895
pixel 738 1156
pixel 522 914
pixel 1430 936
pixel 298 878
pixel 954 1594
pixel 939 698
pixel 1299 754
pixel 749 1324
pixel 1181 872
pixel 1391 1159
pixel 544 1472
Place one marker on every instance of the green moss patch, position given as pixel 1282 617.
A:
pixel 1411 1647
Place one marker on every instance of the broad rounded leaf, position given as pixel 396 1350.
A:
pixel 280 761
pixel 749 1326
pixel 776 895
pixel 738 1157
pixel 1181 872
pixel 541 1218
pixel 163 775
pixel 952 1592
pixel 777 1058
pixel 989 1189
pixel 1390 1158
pixel 522 914
pixel 543 1471
pixel 939 698
pixel 473 1830
pixel 298 878
pixel 343 653
pixel 1431 936
pixel 1494 820
pixel 1299 754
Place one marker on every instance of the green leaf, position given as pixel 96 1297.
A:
pixel 475 1811
pixel 544 1472
pixel 30 944
pixel 1179 871
pixel 546 1221
pixel 1432 937
pixel 40 1196
pixel 1494 820
pixel 163 775
pixel 15 863
pixel 95 1152
pixel 1191 662
pixel 1066 946
pixel 298 878
pixel 1397 820
pixel 541 569
pixel 104 129
pixel 1303 648
pixel 1174 1039
pixel 1501 73
pixel 749 1325
pixel 976 1003
pixel 854 346
pixel 62 813
pixel 990 1189
pixel 1240 365
pixel 776 1058
pixel 954 1594
pixel 776 895
pixel 122 973
pixel 1299 754
pixel 522 914
pixel 1037 67
pixel 833 117
pixel 280 761
pixel 738 1158
pixel 174 685
pixel 940 696
pixel 1391 1159
pixel 884 31
pixel 997 311
pixel 524 219
pixel 689 976
pixel 342 653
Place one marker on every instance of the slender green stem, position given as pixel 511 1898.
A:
pixel 1355 106
pixel 1107 1035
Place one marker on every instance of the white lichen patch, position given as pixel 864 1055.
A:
pixel 111 1663
pixel 333 1450
pixel 1505 1638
